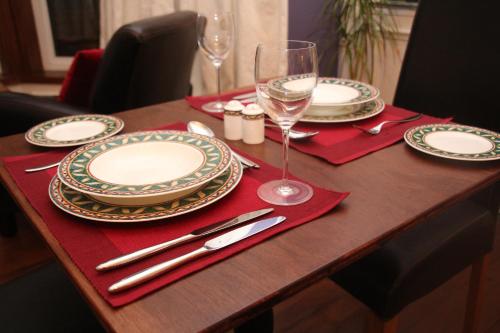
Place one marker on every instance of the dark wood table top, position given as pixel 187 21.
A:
pixel 390 190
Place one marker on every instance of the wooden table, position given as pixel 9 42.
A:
pixel 391 190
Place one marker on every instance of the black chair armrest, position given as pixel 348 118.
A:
pixel 19 112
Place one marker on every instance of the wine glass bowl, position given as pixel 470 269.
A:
pixel 215 34
pixel 285 77
pixel 286 100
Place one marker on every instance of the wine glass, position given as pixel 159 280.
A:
pixel 215 32
pixel 285 76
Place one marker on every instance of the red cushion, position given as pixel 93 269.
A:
pixel 78 82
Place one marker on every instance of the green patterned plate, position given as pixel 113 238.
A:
pixel 367 110
pixel 144 164
pixel 457 142
pixel 74 130
pixel 84 206
pixel 342 92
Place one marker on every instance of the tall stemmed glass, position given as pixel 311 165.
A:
pixel 215 33
pixel 285 76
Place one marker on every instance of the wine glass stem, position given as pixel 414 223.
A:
pixel 217 69
pixel 285 132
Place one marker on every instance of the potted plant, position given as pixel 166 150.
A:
pixel 361 28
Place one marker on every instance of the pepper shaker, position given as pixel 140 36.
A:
pixel 253 124
pixel 232 120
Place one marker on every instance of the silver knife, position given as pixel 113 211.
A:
pixel 245 96
pixel 201 232
pixel 214 244
pixel 245 161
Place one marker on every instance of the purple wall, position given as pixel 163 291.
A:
pixel 305 23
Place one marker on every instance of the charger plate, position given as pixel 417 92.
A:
pixel 365 111
pixel 74 130
pixel 144 164
pixel 453 141
pixel 84 206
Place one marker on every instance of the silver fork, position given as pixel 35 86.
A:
pixel 378 128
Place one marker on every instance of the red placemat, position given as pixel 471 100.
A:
pixel 90 243
pixel 339 143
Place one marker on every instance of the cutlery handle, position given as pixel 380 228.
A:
pixel 40 168
pixel 415 117
pixel 154 271
pixel 139 254
pixel 245 160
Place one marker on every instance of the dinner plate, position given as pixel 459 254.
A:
pixel 367 110
pixel 457 142
pixel 144 164
pixel 84 206
pixel 73 130
pixel 342 92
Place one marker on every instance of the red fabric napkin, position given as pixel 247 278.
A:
pixel 90 243
pixel 339 143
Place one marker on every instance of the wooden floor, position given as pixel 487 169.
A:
pixel 323 307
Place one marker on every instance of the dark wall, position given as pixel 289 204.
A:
pixel 305 23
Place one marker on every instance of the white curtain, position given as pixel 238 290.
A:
pixel 256 21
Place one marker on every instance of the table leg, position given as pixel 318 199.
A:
pixel 8 226
pixel 263 323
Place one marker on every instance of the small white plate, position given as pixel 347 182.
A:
pixel 342 92
pixel 73 130
pixel 144 165
pixel 365 111
pixel 87 207
pixel 457 142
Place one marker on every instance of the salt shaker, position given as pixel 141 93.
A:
pixel 253 124
pixel 232 120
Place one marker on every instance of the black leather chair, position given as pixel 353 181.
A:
pixel 449 67
pixel 451 62
pixel 145 62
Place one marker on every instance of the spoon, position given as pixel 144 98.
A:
pixel 200 128
pixel 296 135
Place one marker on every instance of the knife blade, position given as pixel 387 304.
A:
pixel 201 232
pixel 246 95
pixel 213 244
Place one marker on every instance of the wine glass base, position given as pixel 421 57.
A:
pixel 215 107
pixel 294 193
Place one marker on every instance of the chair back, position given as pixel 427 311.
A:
pixel 146 62
pixel 451 66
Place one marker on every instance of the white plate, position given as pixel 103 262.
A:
pixel 74 130
pixel 144 165
pixel 342 92
pixel 457 142
pixel 366 110
pixel 84 206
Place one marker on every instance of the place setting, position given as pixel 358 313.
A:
pixel 153 196
pixel 335 121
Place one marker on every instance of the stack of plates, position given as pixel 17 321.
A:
pixel 342 100
pixel 144 176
